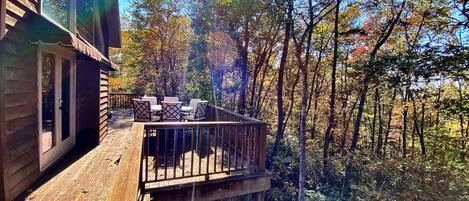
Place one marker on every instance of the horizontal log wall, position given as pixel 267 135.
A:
pixel 19 124
pixel 2 123
pixel 2 18
pixel 103 102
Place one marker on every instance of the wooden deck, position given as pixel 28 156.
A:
pixel 85 175
pixel 226 157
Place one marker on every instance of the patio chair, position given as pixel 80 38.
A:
pixel 153 100
pixel 192 104
pixel 171 111
pixel 199 113
pixel 142 111
pixel 170 99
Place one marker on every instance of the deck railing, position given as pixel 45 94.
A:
pixel 226 144
pixel 124 101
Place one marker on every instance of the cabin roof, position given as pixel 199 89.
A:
pixel 51 34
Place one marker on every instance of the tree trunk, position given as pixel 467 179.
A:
pixel 346 126
pixel 373 122
pixel 361 105
pixel 461 124
pixel 438 105
pixel 379 144
pixel 422 125
pixel 356 132
pixel 244 68
pixel 331 119
pixel 388 125
pixel 281 72
pixel 404 123
pixel 419 129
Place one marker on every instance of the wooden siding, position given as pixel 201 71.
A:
pixel 2 124
pixel 92 102
pixel 2 18
pixel 19 124
pixel 85 25
pixel 103 102
pixel 87 102
pixel 19 147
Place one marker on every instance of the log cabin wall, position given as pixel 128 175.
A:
pixel 2 124
pixel 2 18
pixel 19 146
pixel 103 102
pixel 92 102
pixel 19 141
pixel 87 108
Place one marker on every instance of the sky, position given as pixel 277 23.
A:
pixel 124 5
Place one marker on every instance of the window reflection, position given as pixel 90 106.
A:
pixel 57 10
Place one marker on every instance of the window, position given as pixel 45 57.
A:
pixel 57 11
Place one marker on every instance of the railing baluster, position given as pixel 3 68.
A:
pixel 147 144
pixel 215 155
pixel 165 153
pixel 229 148
pixel 192 152
pixel 235 147
pixel 208 150
pixel 222 148
pixel 252 146
pixel 174 152
pixel 243 146
pixel 183 151
pixel 157 139
pixel 199 139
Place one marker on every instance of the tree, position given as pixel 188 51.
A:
pixel 281 71
pixel 356 131
pixel 331 119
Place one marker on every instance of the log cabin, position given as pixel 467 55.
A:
pixel 54 66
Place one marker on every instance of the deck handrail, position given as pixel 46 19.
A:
pixel 221 147
pixel 126 182
pixel 217 110
pixel 233 144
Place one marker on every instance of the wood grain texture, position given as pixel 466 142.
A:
pixel 2 18
pixel 83 175
pixel 103 102
pixel 2 122
pixel 216 190
pixel 126 182
pixel 19 88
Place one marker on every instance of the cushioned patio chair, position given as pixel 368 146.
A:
pixel 171 111
pixel 142 111
pixel 199 113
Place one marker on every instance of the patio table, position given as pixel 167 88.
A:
pixel 186 108
pixel 156 108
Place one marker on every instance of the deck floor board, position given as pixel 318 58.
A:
pixel 84 176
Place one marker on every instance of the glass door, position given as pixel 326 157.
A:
pixel 56 132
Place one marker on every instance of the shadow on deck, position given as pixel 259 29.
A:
pixel 85 174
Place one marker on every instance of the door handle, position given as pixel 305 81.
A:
pixel 60 104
